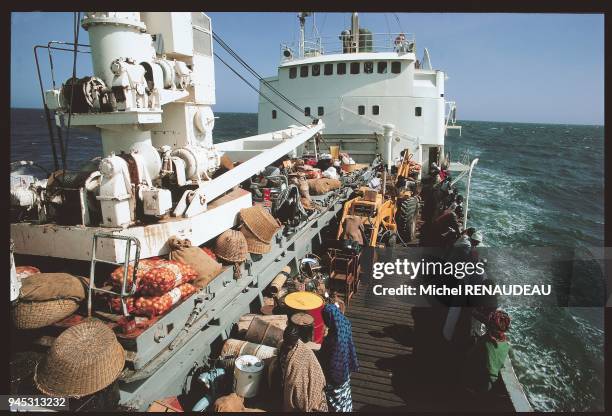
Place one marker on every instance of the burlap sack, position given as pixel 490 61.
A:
pixel 232 403
pixel 52 286
pixel 353 229
pixel 307 204
pixel 323 185
pixel 183 252
pixel 304 188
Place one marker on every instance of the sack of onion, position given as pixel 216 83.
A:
pixel 156 277
pixel 143 266
pixel 154 305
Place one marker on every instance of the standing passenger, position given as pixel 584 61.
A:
pixel 339 359
pixel 302 377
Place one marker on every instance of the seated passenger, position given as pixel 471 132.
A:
pixel 302 377
pixel 486 358
pixel 464 248
pixel 446 228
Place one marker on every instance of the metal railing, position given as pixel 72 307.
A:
pixel 368 42
pixel 451 113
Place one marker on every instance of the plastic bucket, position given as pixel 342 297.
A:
pixel 248 372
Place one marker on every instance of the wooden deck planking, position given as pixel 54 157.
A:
pixel 400 353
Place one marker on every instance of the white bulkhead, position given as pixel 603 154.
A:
pixel 357 93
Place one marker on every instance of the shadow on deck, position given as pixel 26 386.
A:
pixel 405 364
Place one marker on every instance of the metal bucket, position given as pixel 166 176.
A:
pixel 311 304
pixel 248 372
pixel 262 332
pixel 305 324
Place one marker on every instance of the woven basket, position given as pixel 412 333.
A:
pixel 255 245
pixel 32 315
pixel 84 359
pixel 260 222
pixel 231 246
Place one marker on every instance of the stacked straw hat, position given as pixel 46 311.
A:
pixel 83 360
pixel 260 222
pixel 254 244
pixel 231 246
pixel 33 315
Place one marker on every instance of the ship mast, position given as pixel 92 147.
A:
pixel 355 31
pixel 302 16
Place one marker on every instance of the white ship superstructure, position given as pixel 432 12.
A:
pixel 358 83
pixel 161 176
pixel 150 95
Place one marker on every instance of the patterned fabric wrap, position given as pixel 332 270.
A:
pixel 498 324
pixel 339 398
pixel 303 381
pixel 338 353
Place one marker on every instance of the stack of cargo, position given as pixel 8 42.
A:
pixel 258 229
pixel 160 284
pixel 47 298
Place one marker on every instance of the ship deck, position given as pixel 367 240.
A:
pixel 405 364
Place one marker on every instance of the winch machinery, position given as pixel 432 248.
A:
pixel 151 95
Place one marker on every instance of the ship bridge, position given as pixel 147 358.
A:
pixel 358 82
pixel 399 43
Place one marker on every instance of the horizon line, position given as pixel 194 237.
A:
pixel 485 121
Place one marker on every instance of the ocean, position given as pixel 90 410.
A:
pixel 535 185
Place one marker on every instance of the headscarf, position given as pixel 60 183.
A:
pixel 338 351
pixel 499 322
pixel 303 379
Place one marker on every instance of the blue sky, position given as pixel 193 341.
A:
pixel 546 68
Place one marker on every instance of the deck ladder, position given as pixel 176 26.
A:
pixel 124 293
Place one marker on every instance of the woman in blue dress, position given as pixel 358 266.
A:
pixel 338 359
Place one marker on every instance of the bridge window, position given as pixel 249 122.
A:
pixel 292 72
pixel 328 69
pixel 273 114
pixel 341 68
pixel 396 67
pixel 355 67
pixel 382 67
pixel 307 111
pixel 320 111
pixel 304 71
pixel 316 70
pixel 361 110
pixel 368 67
pixel 375 110
pixel 418 111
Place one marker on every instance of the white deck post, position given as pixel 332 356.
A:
pixel 467 195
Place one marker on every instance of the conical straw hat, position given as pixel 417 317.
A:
pixel 260 222
pixel 255 245
pixel 231 246
pixel 84 359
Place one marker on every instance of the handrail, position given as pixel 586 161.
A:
pixel 369 42
pixel 452 108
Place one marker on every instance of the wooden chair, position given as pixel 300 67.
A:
pixel 343 269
